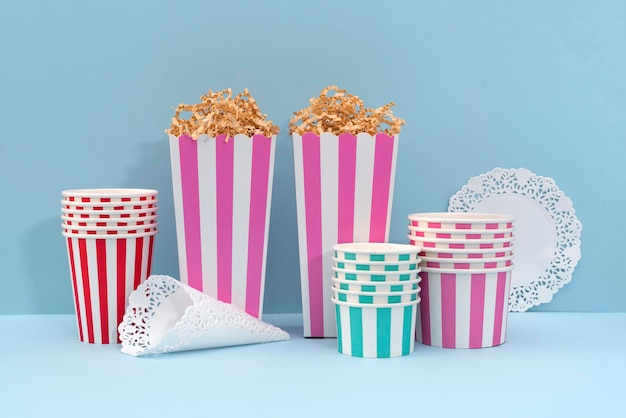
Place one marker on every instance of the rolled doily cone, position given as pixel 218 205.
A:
pixel 165 315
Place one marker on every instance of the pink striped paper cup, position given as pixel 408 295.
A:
pixel 453 234
pixel 134 221
pixel 461 220
pixel 463 254
pixel 463 309
pixel 467 264
pixel 104 271
pixel 344 193
pixel 108 214
pixel 108 206
pixel 109 195
pixel 442 244
pixel 222 194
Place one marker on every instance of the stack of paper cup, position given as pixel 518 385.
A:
pixel 466 262
pixel 109 235
pixel 376 293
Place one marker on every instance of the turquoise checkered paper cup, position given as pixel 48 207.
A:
pixel 373 287
pixel 377 298
pixel 375 331
pixel 375 251
pixel 374 276
pixel 377 266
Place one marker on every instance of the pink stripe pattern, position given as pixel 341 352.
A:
pixel 313 210
pixel 261 154
pixel 191 209
pixel 346 188
pixel 463 296
pixel 381 184
pixel 225 154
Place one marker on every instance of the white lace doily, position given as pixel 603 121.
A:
pixel 164 315
pixel 547 235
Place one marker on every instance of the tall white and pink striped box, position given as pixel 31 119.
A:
pixel 222 190
pixel 344 193
pixel 463 308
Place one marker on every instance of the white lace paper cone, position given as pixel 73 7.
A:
pixel 165 315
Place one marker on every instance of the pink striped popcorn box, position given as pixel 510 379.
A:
pixel 222 193
pixel 104 271
pixel 463 309
pixel 344 192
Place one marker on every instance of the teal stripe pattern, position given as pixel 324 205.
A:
pixel 407 335
pixel 383 332
pixel 339 336
pixel 377 257
pixel 356 331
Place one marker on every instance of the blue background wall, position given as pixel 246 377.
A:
pixel 87 88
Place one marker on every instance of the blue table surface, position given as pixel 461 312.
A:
pixel 552 365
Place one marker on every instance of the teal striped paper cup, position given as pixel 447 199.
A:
pixel 372 287
pixel 377 298
pixel 375 276
pixel 375 331
pixel 377 266
pixel 375 251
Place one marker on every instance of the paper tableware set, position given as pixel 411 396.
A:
pixel 449 286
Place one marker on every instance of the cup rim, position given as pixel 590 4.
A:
pixel 376 305
pixel 362 283
pixel 377 273
pixel 376 263
pixel 461 217
pixel 110 220
pixel 109 212
pixel 361 293
pixel 109 236
pixel 400 248
pixel 468 260
pixel 112 193
pixel 109 228
pixel 152 202
pixel 461 240
pixel 465 250
pixel 461 231
pixel 467 271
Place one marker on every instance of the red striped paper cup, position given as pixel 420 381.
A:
pixel 461 220
pixel 110 206
pixel 222 195
pixel 344 190
pixel 463 309
pixel 104 271
pixel 109 230
pixel 109 195
pixel 108 214
pixel 134 221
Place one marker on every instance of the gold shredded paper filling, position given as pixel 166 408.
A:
pixel 220 113
pixel 337 111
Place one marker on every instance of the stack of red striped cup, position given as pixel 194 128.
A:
pixel 109 236
pixel 466 261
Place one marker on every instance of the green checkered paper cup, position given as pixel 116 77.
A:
pixel 374 276
pixel 372 287
pixel 375 331
pixel 377 298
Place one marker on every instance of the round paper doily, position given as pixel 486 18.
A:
pixel 547 231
